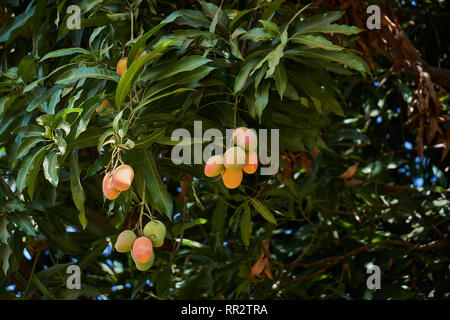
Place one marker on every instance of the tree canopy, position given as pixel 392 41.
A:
pixel 364 136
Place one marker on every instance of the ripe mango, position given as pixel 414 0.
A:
pixel 122 177
pixel 142 250
pixel 232 179
pixel 234 159
pixel 245 138
pixel 251 164
pixel 108 189
pixel 214 166
pixel 121 66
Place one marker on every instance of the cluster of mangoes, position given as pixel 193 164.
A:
pixel 238 159
pixel 141 248
pixel 117 180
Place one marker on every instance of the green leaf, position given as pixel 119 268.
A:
pixel 159 197
pixel 42 288
pixel 23 222
pixel 182 78
pixel 51 167
pixel 87 72
pixel 87 139
pixel 273 59
pixel 172 67
pixel 4 234
pixel 256 34
pixel 103 138
pixel 239 16
pixel 12 29
pixel 280 77
pixel 5 253
pixel 82 122
pixel 246 225
pixel 264 211
pixel 33 173
pixel 262 98
pixel 130 75
pixel 270 27
pixel 147 101
pixel 339 28
pixel 65 52
pixel 242 77
pixel 140 43
pixel 193 18
pixel 316 42
pixel 274 6
pixel 33 85
pixel 316 22
pixel 78 195
pixel 36 102
pixel 150 139
pixel 216 14
pixel 26 166
pixel 344 58
pixel 26 145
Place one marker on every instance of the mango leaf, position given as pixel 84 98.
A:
pixel 78 195
pixel 170 68
pixel 242 77
pixel 51 167
pixel 344 58
pixel 11 30
pixel 33 173
pixel 27 144
pixel 273 59
pixel 150 139
pixel 246 225
pixel 140 43
pixel 159 197
pixel 316 42
pixel 64 52
pixel 23 222
pixel 26 166
pixel 261 98
pixel 5 253
pixel 42 98
pixel 280 77
pixel 264 211
pixel 270 27
pixel 314 23
pixel 87 72
pixel 193 18
pixel 4 234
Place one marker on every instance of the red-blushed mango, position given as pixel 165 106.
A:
pixel 104 105
pixel 214 166
pixel 142 250
pixel 122 177
pixel 156 231
pixel 232 179
pixel 108 189
pixel 245 138
pixel 234 159
pixel 121 66
pixel 125 241
pixel 144 266
pixel 251 164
